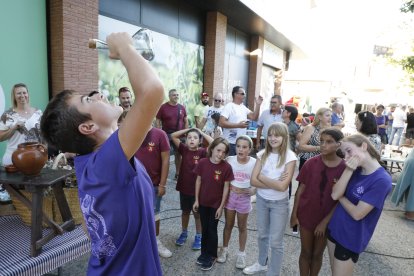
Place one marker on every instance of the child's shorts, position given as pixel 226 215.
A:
pixel 186 202
pixel 239 203
pixel 341 253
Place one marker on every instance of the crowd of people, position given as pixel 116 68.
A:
pixel 342 184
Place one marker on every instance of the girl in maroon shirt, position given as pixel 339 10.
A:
pixel 212 188
pixel 314 205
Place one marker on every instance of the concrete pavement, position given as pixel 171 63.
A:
pixel 390 252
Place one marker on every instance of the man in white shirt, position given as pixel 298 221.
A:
pixel 268 117
pixel 400 116
pixel 208 122
pixel 235 115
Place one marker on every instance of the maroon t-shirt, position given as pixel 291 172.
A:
pixel 213 177
pixel 149 154
pixel 168 116
pixel 187 178
pixel 316 201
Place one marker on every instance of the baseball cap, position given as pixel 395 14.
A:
pixel 204 94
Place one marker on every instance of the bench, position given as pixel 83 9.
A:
pixel 15 256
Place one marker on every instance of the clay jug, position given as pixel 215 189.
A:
pixel 30 157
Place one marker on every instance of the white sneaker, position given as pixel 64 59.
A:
pixel 223 256
pixel 241 261
pixel 162 250
pixel 254 268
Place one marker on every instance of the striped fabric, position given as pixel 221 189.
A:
pixel 15 249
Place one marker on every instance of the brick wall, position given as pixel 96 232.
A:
pixel 214 52
pixel 73 64
pixel 255 70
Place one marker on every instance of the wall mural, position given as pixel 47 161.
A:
pixel 179 65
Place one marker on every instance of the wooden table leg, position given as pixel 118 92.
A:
pixel 36 228
pixel 63 206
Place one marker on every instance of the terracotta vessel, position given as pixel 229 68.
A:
pixel 29 158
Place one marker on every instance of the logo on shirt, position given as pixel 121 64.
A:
pixel 196 158
pixel 360 190
pixel 151 146
pixel 217 175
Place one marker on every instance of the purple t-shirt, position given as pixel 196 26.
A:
pixel 213 177
pixel 168 116
pixel 316 201
pixel 381 120
pixel 372 189
pixel 187 178
pixel 149 154
pixel 116 200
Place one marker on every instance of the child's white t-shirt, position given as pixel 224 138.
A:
pixel 270 169
pixel 242 172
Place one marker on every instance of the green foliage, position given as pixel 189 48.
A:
pixel 407 64
pixel 181 67
pixel 408 7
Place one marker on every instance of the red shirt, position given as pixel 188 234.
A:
pixel 187 178
pixel 149 154
pixel 213 177
pixel 168 116
pixel 315 204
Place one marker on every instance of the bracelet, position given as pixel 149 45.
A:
pixel 164 186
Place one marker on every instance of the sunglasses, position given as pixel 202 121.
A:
pixel 218 101
pixel 273 103
pixel 241 93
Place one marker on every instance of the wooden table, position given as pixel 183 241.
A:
pixel 36 185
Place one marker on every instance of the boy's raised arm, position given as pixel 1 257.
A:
pixel 148 91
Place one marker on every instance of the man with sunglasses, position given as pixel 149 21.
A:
pixel 207 121
pixel 268 117
pixel 235 115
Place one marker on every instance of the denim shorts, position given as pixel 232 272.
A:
pixel 239 203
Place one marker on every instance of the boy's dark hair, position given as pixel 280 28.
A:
pixel 60 122
pixel 368 123
pixel 200 137
pixel 293 112
pixel 219 140
pixel 235 90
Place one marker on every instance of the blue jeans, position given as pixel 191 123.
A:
pixel 272 216
pixel 399 131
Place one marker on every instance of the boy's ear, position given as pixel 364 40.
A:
pixel 87 128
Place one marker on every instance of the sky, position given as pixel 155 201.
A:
pixel 333 32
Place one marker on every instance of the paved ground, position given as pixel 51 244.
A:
pixel 390 252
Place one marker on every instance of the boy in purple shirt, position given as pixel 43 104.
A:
pixel 115 192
